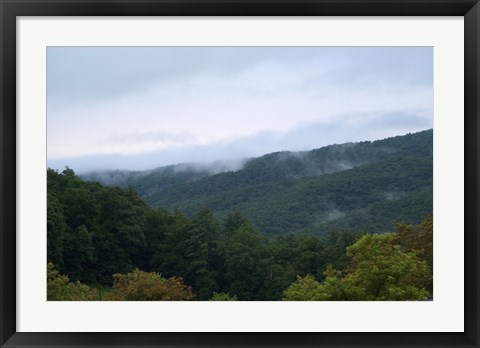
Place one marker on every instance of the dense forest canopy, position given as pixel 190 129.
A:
pixel 366 185
pixel 287 226
pixel 95 232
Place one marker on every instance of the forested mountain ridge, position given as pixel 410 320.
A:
pixel 95 232
pixel 364 185
pixel 120 248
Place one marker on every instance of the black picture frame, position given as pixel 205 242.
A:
pixel 10 9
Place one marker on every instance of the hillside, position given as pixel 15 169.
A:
pixel 366 185
pixel 115 244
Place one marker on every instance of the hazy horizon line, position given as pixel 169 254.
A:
pixel 232 164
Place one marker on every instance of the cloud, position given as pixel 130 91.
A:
pixel 230 155
pixel 138 142
pixel 141 137
pixel 216 103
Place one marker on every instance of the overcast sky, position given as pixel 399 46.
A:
pixel 139 107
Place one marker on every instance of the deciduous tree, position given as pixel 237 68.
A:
pixel 148 286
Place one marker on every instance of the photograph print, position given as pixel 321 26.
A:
pixel 239 174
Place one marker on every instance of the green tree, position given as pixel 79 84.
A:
pixel 78 253
pixel 59 287
pixel 305 289
pixel 384 272
pixel 246 263
pixel 56 227
pixel 379 270
pixel 203 254
pixel 166 238
pixel 148 286
pixel 233 221
pixel 119 239
pixel 417 238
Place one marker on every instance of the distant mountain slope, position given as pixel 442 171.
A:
pixel 364 185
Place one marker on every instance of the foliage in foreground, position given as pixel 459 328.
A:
pixel 379 271
pixel 60 288
pixel 148 286
pixel 96 233
pixel 134 286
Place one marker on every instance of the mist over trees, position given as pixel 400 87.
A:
pixel 353 186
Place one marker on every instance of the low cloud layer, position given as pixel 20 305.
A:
pixel 305 137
